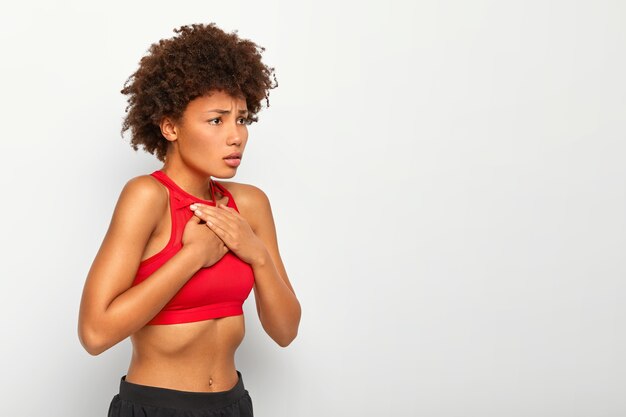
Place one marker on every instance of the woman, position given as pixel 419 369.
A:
pixel 184 251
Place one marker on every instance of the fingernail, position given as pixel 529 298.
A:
pixel 193 207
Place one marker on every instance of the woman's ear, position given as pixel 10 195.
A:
pixel 169 129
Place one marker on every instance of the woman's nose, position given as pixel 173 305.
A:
pixel 235 135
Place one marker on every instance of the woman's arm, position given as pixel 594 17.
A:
pixel 277 305
pixel 111 309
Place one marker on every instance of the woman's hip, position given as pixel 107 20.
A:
pixel 144 400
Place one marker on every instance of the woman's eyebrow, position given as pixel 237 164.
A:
pixel 226 111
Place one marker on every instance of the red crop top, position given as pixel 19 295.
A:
pixel 216 291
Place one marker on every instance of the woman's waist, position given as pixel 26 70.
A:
pixel 206 375
pixel 189 341
pixel 196 356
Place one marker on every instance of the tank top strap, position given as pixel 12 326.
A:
pixel 224 190
pixel 179 198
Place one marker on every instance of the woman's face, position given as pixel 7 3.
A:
pixel 213 127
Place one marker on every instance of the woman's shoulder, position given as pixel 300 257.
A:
pixel 145 189
pixel 139 208
pixel 252 202
pixel 244 194
pixel 147 186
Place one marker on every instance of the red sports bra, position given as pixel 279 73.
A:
pixel 216 291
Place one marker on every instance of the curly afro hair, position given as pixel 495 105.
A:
pixel 202 58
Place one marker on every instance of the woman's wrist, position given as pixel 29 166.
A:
pixel 192 255
pixel 262 258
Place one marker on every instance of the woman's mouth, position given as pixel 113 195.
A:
pixel 233 162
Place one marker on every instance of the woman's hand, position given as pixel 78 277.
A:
pixel 207 246
pixel 233 229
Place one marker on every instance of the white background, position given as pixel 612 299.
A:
pixel 447 180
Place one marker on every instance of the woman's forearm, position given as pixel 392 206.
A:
pixel 136 306
pixel 279 309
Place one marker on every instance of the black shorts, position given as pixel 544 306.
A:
pixel 142 400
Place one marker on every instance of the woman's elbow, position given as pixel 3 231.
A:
pixel 292 333
pixel 90 341
pixel 286 339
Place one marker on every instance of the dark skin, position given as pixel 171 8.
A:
pixel 196 356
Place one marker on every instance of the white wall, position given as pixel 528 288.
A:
pixel 448 183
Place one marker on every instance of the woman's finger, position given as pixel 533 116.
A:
pixel 218 224
pixel 218 213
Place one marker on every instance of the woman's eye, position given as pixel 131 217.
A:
pixel 241 120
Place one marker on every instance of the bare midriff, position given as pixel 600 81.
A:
pixel 197 356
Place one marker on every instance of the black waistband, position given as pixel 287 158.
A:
pixel 165 397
